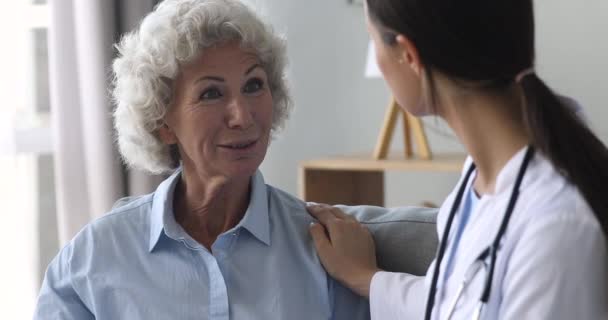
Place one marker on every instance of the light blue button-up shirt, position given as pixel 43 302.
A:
pixel 138 263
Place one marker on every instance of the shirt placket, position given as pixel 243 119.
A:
pixel 218 295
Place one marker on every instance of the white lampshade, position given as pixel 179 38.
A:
pixel 371 67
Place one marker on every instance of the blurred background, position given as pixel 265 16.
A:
pixel 58 165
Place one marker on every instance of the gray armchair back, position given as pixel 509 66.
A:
pixel 406 237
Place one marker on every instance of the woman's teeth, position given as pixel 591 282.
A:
pixel 241 145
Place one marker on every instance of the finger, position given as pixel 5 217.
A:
pixel 322 243
pixel 337 212
pixel 341 214
pixel 322 213
pixel 318 206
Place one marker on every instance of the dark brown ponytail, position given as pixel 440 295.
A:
pixel 491 43
pixel 561 135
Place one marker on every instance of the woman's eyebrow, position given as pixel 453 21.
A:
pixel 212 78
pixel 253 67
pixel 220 79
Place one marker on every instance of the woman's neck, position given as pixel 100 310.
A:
pixel 208 205
pixel 491 126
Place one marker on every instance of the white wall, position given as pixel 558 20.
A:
pixel 339 111
pixel 572 53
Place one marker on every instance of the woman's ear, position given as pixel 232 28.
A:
pixel 409 54
pixel 166 135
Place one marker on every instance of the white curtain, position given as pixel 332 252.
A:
pixel 89 176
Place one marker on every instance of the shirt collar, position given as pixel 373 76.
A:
pixel 162 205
pixel 255 220
pixel 508 174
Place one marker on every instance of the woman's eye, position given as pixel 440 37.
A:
pixel 253 85
pixel 211 94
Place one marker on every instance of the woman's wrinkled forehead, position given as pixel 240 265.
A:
pixel 222 54
pixel 222 62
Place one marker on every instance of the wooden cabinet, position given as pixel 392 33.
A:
pixel 359 179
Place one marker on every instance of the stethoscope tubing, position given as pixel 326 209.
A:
pixel 491 251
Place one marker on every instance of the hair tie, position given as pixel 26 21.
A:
pixel 520 76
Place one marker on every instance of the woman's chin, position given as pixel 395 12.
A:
pixel 242 168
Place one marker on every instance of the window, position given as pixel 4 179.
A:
pixel 29 235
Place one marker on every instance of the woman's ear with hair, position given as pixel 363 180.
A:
pixel 409 54
pixel 166 134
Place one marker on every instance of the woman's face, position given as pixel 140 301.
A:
pixel 221 113
pixel 404 82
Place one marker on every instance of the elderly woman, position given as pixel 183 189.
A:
pixel 200 90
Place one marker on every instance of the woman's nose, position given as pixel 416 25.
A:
pixel 239 114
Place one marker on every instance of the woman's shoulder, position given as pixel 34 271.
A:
pixel 551 198
pixel 126 213
pixel 281 200
pixel 124 227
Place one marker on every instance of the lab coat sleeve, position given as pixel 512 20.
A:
pixel 58 298
pixel 558 270
pixel 397 296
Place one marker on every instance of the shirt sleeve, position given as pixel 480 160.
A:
pixel 346 304
pixel 397 296
pixel 558 270
pixel 58 298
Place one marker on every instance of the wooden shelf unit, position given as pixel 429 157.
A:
pixel 359 179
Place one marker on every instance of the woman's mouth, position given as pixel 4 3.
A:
pixel 239 145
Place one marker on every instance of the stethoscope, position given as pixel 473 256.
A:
pixel 489 252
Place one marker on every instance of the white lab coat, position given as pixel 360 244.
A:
pixel 553 263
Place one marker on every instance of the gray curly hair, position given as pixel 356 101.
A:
pixel 149 59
